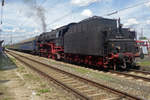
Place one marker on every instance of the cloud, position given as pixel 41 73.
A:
pixel 83 2
pixel 87 13
pixel 131 21
pixel 148 22
pixel 147 4
pixel 14 30
pixel 36 31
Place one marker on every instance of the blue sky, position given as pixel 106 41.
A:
pixel 21 19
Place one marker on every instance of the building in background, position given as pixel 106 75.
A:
pixel 144 44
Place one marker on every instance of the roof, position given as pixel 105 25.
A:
pixel 139 41
pixel 28 40
pixel 96 17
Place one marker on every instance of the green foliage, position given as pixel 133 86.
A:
pixel 143 38
pixel 144 63
pixel 13 59
pixel 43 90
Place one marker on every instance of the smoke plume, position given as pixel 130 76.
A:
pixel 41 15
pixel 37 12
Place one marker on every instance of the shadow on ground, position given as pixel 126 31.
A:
pixel 4 81
pixel 6 63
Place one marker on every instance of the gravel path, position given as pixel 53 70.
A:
pixel 35 87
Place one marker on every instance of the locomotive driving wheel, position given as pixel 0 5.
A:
pixel 124 66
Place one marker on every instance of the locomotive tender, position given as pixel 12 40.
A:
pixel 95 41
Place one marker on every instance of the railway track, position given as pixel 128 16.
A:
pixel 137 74
pixel 140 71
pixel 82 88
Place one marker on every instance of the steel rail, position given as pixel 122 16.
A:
pixel 130 75
pixel 140 71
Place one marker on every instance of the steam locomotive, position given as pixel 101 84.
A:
pixel 95 41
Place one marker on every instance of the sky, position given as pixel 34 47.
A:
pixel 23 19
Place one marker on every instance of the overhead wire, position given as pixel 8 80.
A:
pixel 133 6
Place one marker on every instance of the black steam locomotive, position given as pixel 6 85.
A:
pixel 95 41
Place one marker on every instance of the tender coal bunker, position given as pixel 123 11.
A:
pixel 5 62
pixel 88 36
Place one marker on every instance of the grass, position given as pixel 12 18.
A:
pixel 100 76
pixel 28 75
pixel 21 69
pixel 82 70
pixel 7 99
pixel 38 94
pixel 144 63
pixel 44 91
pixel 32 77
pixel 43 85
pixel 13 59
